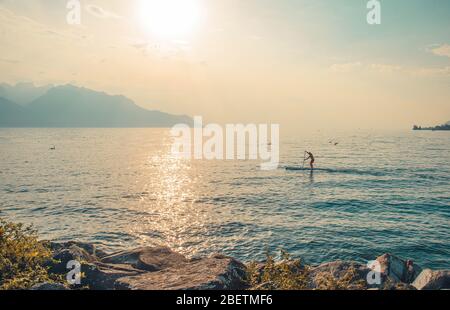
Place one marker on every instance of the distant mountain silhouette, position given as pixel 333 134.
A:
pixel 22 93
pixel 10 113
pixel 71 106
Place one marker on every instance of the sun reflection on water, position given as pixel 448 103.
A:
pixel 169 210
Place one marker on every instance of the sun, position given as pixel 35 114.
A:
pixel 171 19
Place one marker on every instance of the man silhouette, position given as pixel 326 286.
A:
pixel 310 156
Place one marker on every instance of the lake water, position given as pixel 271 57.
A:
pixel 120 188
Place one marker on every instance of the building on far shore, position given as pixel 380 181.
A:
pixel 435 128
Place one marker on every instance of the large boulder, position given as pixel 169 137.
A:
pixel 352 275
pixel 89 248
pixel 148 268
pixel 148 259
pixel 396 270
pixel 103 276
pixel 63 255
pixel 432 280
pixel 216 272
pixel 95 274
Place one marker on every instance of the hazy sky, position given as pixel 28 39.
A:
pixel 301 63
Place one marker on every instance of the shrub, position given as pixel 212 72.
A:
pixel 291 274
pixel 23 258
pixel 286 274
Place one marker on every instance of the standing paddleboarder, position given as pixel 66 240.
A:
pixel 310 156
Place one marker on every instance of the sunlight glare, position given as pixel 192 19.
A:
pixel 170 19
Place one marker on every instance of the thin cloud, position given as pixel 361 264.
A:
pixel 346 67
pixel 140 45
pixel 353 67
pixel 432 72
pixel 385 68
pixel 358 66
pixel 9 61
pixel 443 50
pixel 99 12
pixel 20 23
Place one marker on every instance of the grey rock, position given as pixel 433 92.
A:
pixel 95 274
pixel 432 280
pixel 216 272
pixel 395 269
pixel 338 270
pixel 91 249
pixel 160 268
pixel 149 259
pixel 64 255
pixel 103 276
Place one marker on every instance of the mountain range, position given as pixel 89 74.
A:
pixel 72 106
pixel 22 93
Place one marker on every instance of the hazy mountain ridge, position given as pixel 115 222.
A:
pixel 10 111
pixel 71 106
pixel 22 93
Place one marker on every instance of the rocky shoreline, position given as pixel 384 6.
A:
pixel 159 268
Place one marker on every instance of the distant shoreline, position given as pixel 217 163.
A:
pixel 445 127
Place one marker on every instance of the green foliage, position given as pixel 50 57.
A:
pixel 390 285
pixel 286 274
pixel 23 257
pixel 291 274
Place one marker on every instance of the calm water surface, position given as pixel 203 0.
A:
pixel 120 188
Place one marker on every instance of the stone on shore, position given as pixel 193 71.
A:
pixel 432 280
pixel 148 259
pixel 148 268
pixel 63 254
pixel 339 270
pixel 104 276
pixel 89 248
pixel 96 275
pixel 396 270
pixel 216 272
pixel 160 268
